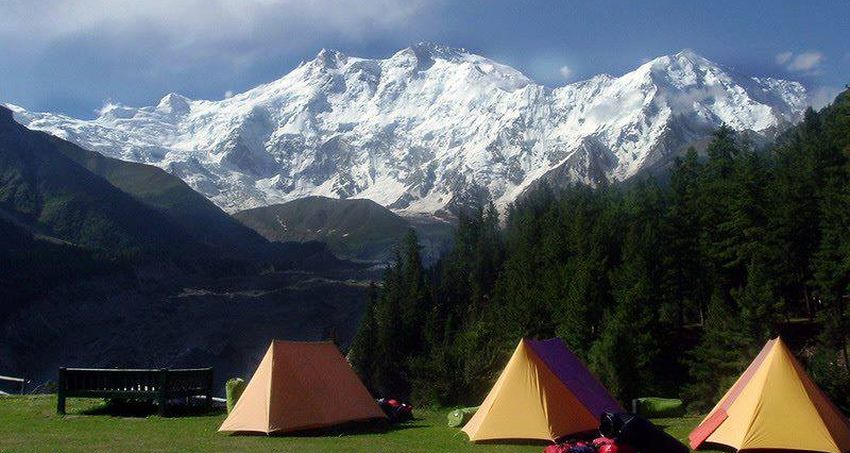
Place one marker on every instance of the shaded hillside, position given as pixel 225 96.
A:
pixel 52 187
pixel 153 186
pixel 30 265
pixel 47 192
pixel 353 228
pixel 226 323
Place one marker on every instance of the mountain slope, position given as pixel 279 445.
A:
pixel 49 193
pixel 359 229
pixel 429 129
pixel 53 188
pixel 30 265
pixel 151 185
pixel 356 229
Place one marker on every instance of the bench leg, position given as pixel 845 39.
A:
pixel 60 393
pixel 163 385
pixel 209 388
pixel 60 402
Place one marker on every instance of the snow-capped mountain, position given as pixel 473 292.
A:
pixel 429 128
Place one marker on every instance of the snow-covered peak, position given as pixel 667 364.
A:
pixel 430 128
pixel 434 50
pixel 115 110
pixel 682 69
pixel 173 103
pixel 330 58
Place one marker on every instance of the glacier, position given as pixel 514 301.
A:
pixel 430 129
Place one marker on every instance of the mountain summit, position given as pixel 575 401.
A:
pixel 430 128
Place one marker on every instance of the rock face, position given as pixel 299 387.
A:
pixel 429 129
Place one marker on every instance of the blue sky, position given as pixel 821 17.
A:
pixel 74 55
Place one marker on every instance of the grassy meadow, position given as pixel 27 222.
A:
pixel 30 424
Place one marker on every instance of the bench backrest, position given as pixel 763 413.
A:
pixel 83 381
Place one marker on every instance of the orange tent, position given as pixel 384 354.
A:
pixel 300 386
pixel 544 393
pixel 775 405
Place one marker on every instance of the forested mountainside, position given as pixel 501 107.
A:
pixel 662 289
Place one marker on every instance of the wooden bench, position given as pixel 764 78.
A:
pixel 158 385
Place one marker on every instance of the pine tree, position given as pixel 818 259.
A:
pixel 684 283
pixel 722 354
pixel 363 353
pixel 627 354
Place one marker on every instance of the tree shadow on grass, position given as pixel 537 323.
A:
pixel 143 409
pixel 515 442
pixel 584 437
pixel 346 429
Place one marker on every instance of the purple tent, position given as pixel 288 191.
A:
pixel 544 392
pixel 575 376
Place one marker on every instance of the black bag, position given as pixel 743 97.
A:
pixel 639 433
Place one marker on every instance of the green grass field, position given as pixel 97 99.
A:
pixel 30 424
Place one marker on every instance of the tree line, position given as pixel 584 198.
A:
pixel 663 288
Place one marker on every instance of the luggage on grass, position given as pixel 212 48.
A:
pixel 639 433
pixel 396 411
pixel 459 417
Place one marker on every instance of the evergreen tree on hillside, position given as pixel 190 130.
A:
pixel 593 223
pixel 464 282
pixel 413 294
pixel 636 277
pixel 827 133
pixel 722 354
pixel 756 254
pixel 625 356
pixel 722 229
pixel 363 353
pixel 391 332
pixel 684 280
pixel 795 223
pixel 389 371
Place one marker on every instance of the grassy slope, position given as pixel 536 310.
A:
pixel 355 228
pixel 29 424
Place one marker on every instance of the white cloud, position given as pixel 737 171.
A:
pixel 184 33
pixel 565 72
pixel 228 94
pixel 822 96
pixel 805 63
pixel 54 18
pixel 100 48
pixel 783 57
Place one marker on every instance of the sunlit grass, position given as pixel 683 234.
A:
pixel 30 424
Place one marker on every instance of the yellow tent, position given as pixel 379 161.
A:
pixel 545 393
pixel 299 386
pixel 775 405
